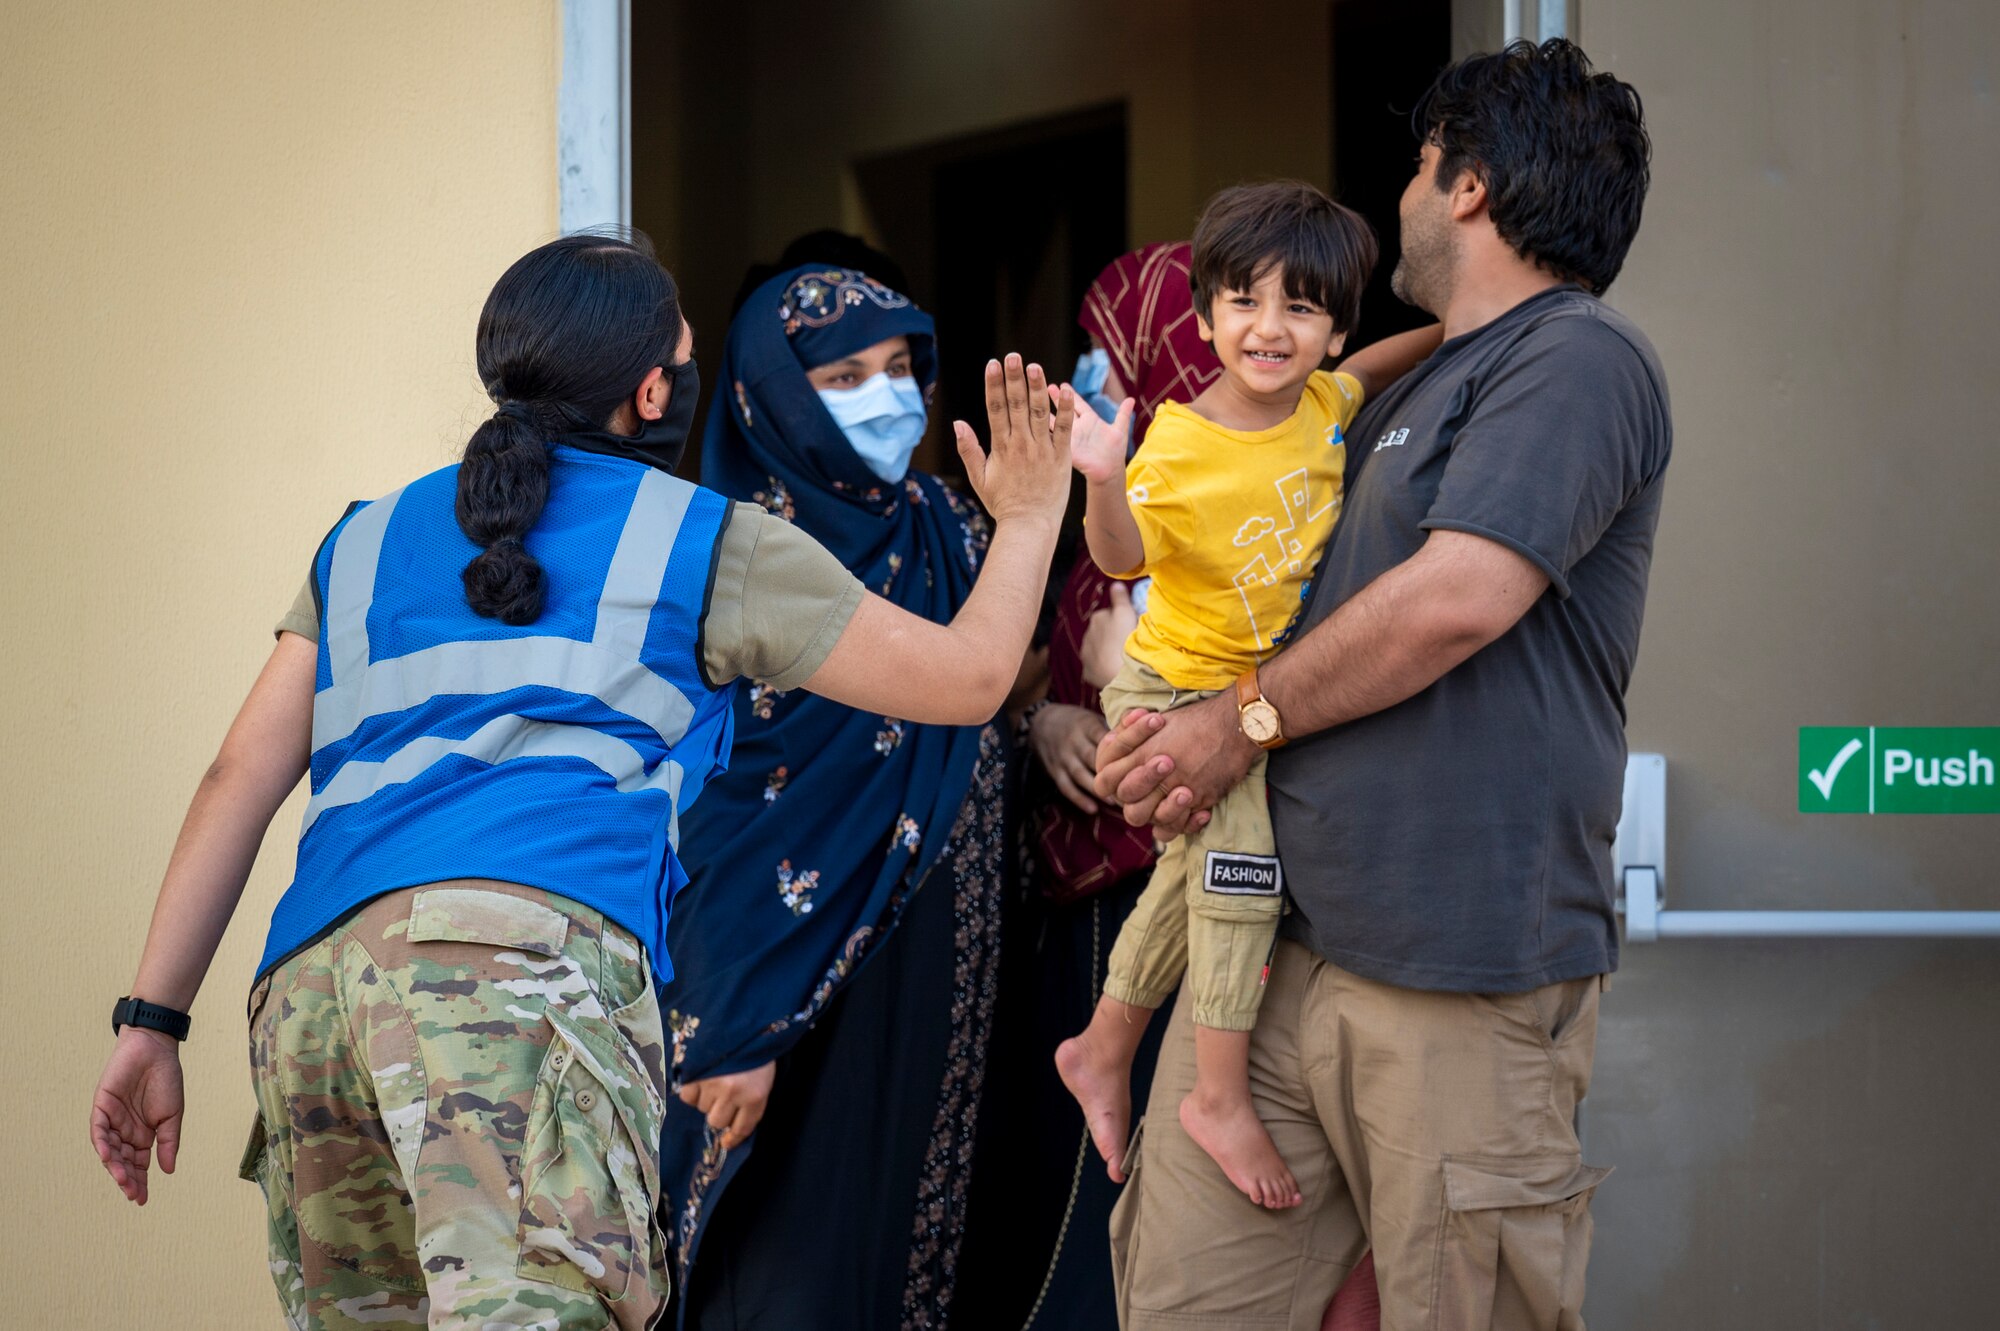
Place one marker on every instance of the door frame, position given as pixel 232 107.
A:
pixel 594 115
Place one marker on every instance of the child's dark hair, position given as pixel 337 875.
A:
pixel 1562 150
pixel 1327 251
pixel 567 334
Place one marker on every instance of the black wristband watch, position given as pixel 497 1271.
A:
pixel 151 1016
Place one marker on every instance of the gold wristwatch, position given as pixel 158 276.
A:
pixel 1256 715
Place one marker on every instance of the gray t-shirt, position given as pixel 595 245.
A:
pixel 1461 839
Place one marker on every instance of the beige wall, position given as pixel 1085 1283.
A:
pixel 244 247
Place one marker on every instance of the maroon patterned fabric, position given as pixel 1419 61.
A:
pixel 1141 312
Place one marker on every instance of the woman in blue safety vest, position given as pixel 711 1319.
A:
pixel 506 680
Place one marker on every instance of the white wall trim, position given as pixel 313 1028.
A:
pixel 1551 19
pixel 594 115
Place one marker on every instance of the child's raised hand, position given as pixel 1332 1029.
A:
pixel 1096 448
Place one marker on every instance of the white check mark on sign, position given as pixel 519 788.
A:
pixel 1824 780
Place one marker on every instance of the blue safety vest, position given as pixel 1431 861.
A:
pixel 557 754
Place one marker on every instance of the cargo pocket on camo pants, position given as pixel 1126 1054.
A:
pixel 590 1180
pixel 1513 1241
pixel 259 1166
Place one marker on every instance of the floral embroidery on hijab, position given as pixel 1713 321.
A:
pixel 817 299
pixel 887 738
pixel 978 539
pixel 978 531
pixel 907 835
pixel 681 1029
pixel 763 699
pixel 850 956
pixel 873 494
pixel 706 1171
pixel 775 785
pixel 795 889
pixel 777 500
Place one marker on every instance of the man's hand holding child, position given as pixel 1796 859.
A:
pixel 1170 768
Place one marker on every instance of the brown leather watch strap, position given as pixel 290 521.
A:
pixel 1248 690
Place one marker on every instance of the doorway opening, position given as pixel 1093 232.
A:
pixel 1385 53
pixel 1001 270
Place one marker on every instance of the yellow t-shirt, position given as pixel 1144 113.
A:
pixel 1233 522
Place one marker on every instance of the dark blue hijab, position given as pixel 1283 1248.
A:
pixel 803 854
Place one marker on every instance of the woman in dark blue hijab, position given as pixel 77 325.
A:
pixel 843 920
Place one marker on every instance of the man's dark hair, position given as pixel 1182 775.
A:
pixel 1327 251
pixel 1563 152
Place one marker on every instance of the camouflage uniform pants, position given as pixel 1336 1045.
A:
pixel 459 1094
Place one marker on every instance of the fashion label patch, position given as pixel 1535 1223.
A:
pixel 1242 875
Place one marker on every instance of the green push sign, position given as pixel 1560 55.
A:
pixel 1898 769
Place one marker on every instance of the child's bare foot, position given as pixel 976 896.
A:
pixel 1102 1084
pixel 1227 1127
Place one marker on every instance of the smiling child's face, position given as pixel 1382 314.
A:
pixel 1269 342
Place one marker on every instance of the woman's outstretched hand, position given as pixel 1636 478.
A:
pixel 959 674
pixel 138 1107
pixel 733 1103
pixel 1026 474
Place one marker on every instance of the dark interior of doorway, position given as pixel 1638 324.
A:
pixel 1001 234
pixel 1385 53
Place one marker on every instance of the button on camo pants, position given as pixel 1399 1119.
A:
pixel 459 1094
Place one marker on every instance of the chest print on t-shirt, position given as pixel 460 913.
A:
pixel 1277 544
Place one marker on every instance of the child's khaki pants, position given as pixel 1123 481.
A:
pixel 1211 910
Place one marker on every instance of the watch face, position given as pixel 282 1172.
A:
pixel 1260 722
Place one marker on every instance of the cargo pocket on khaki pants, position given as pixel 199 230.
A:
pixel 590 1180
pixel 1125 1219
pixel 1513 1242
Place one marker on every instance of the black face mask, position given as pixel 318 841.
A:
pixel 659 443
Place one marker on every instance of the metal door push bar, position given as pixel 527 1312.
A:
pixel 1640 855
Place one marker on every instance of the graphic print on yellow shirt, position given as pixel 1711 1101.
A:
pixel 1233 522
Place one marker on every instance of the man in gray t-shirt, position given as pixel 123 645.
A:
pixel 1452 720
pixel 1461 839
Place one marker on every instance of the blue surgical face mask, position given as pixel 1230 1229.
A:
pixel 1093 368
pixel 883 419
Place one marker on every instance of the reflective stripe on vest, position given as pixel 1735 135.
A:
pixel 608 667
pixel 500 739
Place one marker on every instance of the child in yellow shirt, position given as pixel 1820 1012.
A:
pixel 1225 507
